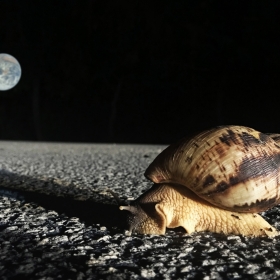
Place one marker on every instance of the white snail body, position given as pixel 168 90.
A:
pixel 216 181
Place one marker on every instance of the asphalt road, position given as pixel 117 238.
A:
pixel 59 221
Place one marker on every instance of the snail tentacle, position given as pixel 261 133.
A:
pixel 213 181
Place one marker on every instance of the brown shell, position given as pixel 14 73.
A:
pixel 233 167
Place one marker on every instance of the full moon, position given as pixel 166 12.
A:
pixel 10 71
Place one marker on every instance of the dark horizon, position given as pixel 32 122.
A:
pixel 138 72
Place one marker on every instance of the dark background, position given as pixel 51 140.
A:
pixel 139 71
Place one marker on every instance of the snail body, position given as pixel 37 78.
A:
pixel 216 181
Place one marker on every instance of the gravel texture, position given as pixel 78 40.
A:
pixel 59 221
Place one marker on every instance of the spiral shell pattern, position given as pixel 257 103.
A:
pixel 233 167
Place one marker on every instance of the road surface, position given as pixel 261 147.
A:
pixel 59 221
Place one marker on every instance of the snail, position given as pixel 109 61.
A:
pixel 216 181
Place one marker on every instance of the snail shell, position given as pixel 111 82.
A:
pixel 233 167
pixel 213 181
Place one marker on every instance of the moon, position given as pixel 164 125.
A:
pixel 10 71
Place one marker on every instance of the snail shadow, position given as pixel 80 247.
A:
pixel 88 211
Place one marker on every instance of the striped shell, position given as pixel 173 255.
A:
pixel 233 167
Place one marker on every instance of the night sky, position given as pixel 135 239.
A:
pixel 139 71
